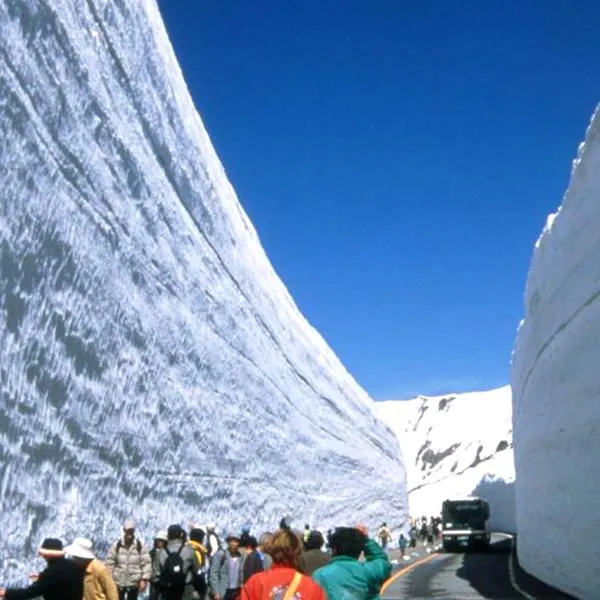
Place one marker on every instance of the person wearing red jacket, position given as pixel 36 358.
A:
pixel 283 581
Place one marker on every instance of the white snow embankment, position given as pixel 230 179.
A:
pixel 556 384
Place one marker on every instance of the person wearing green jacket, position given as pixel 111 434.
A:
pixel 347 578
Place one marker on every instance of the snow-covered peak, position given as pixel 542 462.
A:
pixel 453 445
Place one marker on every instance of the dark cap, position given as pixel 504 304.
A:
pixel 51 547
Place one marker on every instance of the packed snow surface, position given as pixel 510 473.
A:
pixel 151 361
pixel 556 384
pixel 455 446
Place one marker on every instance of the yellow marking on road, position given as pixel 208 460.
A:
pixel 404 571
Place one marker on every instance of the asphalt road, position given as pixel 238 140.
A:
pixel 492 574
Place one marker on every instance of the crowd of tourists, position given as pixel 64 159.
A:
pixel 197 565
pixel 427 531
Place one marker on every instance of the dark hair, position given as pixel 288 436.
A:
pixel 175 532
pixel 252 542
pixel 197 535
pixel 245 539
pixel 315 541
pixel 347 541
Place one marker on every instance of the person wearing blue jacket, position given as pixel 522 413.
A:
pixel 345 577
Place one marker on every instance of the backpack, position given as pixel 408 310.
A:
pixel 173 574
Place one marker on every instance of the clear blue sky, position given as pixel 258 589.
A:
pixel 398 159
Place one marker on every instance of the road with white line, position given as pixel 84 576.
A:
pixel 493 574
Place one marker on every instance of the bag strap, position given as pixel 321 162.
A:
pixel 289 594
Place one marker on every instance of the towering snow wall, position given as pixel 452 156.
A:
pixel 151 361
pixel 457 445
pixel 556 387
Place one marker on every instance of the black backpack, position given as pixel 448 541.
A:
pixel 173 574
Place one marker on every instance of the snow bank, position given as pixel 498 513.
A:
pixel 456 445
pixel 151 361
pixel 556 384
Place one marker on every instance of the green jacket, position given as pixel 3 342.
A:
pixel 346 578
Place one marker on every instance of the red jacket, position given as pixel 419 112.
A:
pixel 272 585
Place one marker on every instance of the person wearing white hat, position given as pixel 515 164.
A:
pixel 62 579
pixel 160 541
pixel 98 583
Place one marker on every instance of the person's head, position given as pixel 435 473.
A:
pixel 307 527
pixel 197 535
pixel 210 527
pixel 51 549
pixel 245 539
pixel 233 543
pixel 284 548
pixel 81 551
pixel 175 532
pixel 128 532
pixel 315 541
pixel 347 541
pixel 264 539
pixel 161 539
pixel 384 524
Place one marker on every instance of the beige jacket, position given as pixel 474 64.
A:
pixel 129 566
pixel 98 583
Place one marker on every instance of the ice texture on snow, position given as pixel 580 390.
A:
pixel 457 445
pixel 556 386
pixel 151 361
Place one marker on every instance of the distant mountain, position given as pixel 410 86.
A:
pixel 456 445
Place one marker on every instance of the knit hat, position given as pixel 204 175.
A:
pixel 232 536
pixel 162 535
pixel 80 548
pixel 51 548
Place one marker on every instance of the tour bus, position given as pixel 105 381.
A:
pixel 464 523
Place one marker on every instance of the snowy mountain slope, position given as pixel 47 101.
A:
pixel 451 444
pixel 556 383
pixel 151 361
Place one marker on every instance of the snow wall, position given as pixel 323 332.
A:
pixel 556 389
pixel 151 361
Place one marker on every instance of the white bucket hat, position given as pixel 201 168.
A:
pixel 162 535
pixel 80 548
